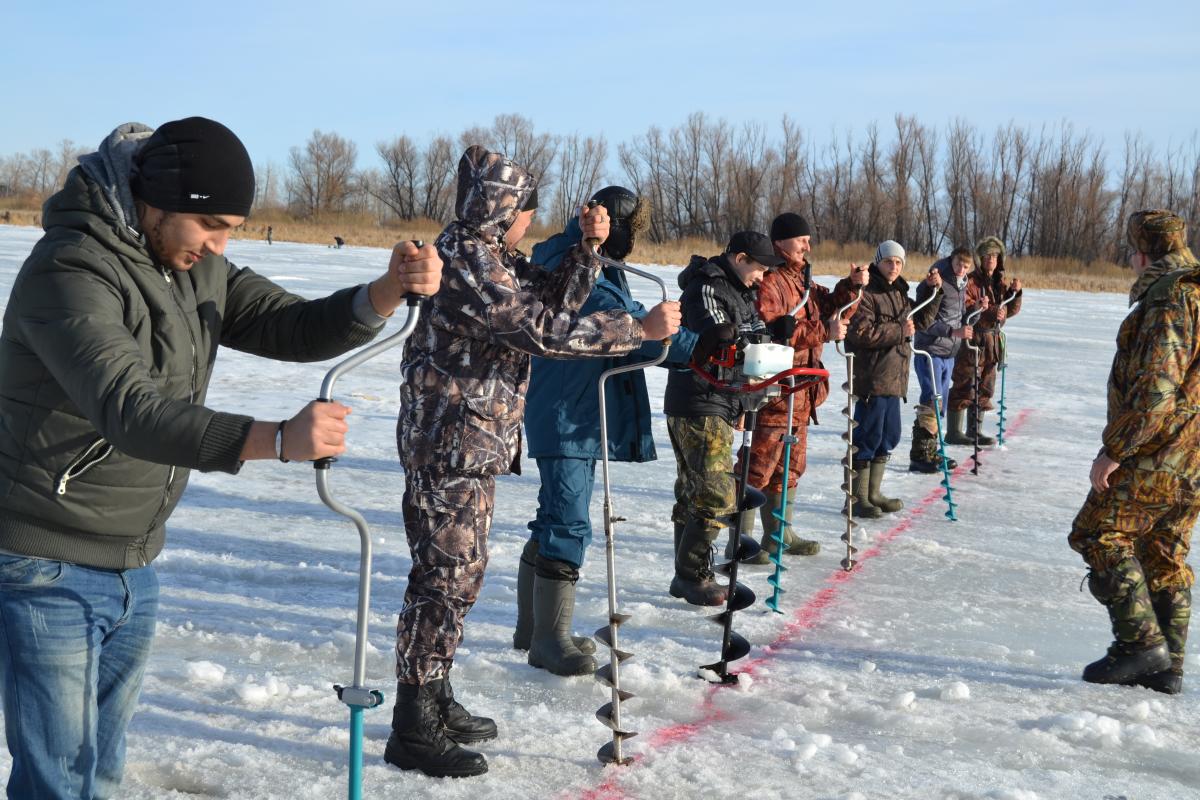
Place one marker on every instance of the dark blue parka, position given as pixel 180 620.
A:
pixel 562 406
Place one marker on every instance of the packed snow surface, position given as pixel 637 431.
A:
pixel 946 665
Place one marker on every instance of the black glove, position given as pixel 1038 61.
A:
pixel 783 328
pixel 712 340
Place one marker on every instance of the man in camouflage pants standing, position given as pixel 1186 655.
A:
pixel 1135 528
pixel 462 399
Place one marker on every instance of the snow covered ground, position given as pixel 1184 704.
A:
pixel 945 666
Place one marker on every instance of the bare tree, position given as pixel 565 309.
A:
pixel 323 176
pixel 580 170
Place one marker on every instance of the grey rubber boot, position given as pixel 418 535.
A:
pixel 863 507
pixel 793 545
pixel 888 505
pixel 954 428
pixel 524 630
pixel 975 421
pixel 552 647
pixel 694 579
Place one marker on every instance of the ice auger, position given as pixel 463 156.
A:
pixel 610 674
pixel 752 364
pixel 357 696
pixel 974 348
pixel 848 462
pixel 1002 368
pixel 780 512
pixel 937 415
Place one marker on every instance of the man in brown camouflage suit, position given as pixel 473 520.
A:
pixel 1135 528
pixel 462 398
pixel 985 281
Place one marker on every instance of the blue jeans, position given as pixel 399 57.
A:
pixel 878 430
pixel 74 642
pixel 563 525
pixel 943 368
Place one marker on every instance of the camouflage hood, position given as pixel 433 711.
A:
pixel 1169 263
pixel 492 190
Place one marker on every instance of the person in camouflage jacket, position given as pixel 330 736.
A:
pixel 986 280
pixel 806 332
pixel 1135 527
pixel 462 397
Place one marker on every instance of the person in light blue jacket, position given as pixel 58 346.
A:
pixel 562 428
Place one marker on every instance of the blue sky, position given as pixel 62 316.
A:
pixel 275 71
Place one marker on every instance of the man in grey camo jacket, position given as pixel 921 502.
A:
pixel 462 399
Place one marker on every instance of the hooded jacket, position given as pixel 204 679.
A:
pixel 562 413
pixel 466 366
pixel 950 309
pixel 996 289
pixel 876 337
pixel 713 295
pixel 105 359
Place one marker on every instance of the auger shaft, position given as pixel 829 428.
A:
pixel 848 486
pixel 610 675
pixel 975 350
pixel 780 513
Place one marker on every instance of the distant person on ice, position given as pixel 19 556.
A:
pixel 942 339
pixel 986 288
pixel 879 336
pixel 109 340
pixel 1135 527
pixel 270 234
pixel 462 398
pixel 562 425
pixel 338 242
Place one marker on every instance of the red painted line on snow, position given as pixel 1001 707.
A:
pixel 803 618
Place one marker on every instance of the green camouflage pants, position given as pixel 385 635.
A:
pixel 1131 519
pixel 704 486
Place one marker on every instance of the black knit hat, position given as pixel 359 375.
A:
pixel 788 226
pixel 194 166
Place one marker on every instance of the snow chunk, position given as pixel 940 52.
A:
pixel 903 700
pixel 205 672
pixel 955 691
pixel 866 667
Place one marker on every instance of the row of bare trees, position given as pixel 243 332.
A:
pixel 1053 192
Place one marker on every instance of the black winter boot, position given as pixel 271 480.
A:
pixel 419 741
pixel 693 579
pixel 888 505
pixel 1173 608
pixel 863 507
pixel 461 725
pixel 1138 647
pixel 551 647
pixel 524 629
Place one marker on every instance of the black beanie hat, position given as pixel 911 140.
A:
pixel 194 166
pixel 531 203
pixel 788 226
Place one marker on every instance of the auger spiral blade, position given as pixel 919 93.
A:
pixel 605 636
pixel 608 755
pixel 606 717
pixel 738 647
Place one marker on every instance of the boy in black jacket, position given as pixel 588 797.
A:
pixel 718 304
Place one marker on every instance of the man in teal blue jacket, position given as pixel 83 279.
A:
pixel 562 426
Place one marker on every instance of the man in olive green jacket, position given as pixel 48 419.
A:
pixel 108 344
